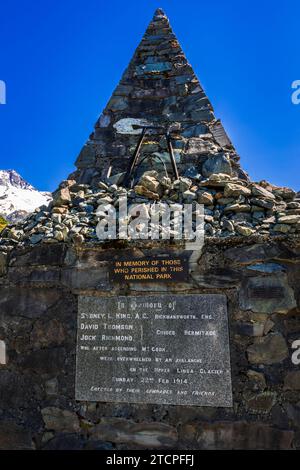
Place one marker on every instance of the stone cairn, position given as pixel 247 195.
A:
pixel 159 88
pixel 251 256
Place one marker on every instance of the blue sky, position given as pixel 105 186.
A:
pixel 61 60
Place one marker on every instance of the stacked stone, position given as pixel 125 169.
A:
pixel 251 255
pixel 232 208
pixel 159 88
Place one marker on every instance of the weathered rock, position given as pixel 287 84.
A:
pixel 237 208
pixel 268 326
pixel 228 225
pixel 216 164
pixel 293 413
pixel 193 173
pixel 65 442
pixel 46 333
pixel 102 185
pixel 257 380
pixel 196 130
pixel 153 68
pixel 292 380
pixel 166 182
pixel 150 183
pixel 59 236
pixel 117 103
pixel 293 205
pixel 15 389
pixel 116 179
pixel 49 361
pixel 99 445
pixel 251 329
pixel 30 303
pixel 14 437
pixel 77 238
pixel 198 147
pixel 3 264
pixel 267 268
pixel 148 435
pixel 289 219
pixel 87 156
pixel 223 201
pixel 283 228
pixel 235 190
pixel 205 198
pixel 90 278
pixel 142 191
pixel 261 403
pixel 243 230
pixel 259 191
pixel 242 435
pixel 270 349
pixel 59 420
pixel 36 238
pixel 286 193
pixel 51 387
pixel 267 294
pixel 183 184
pixel 262 203
pixel 189 196
pixel 105 200
pixel 216 180
pixel 61 197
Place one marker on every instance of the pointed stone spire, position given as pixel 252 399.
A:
pixel 159 87
pixel 159 13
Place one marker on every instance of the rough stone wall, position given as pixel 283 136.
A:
pixel 251 254
pixel 38 315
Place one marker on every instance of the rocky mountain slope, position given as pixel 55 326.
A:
pixel 17 197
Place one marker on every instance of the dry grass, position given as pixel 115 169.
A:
pixel 3 223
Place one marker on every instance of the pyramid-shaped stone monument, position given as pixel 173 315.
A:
pixel 177 347
pixel 159 88
pixel 158 140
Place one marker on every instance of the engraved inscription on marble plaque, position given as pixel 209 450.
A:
pixel 164 349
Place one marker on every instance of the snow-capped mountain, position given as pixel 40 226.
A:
pixel 17 197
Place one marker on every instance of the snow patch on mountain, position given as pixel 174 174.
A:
pixel 17 197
